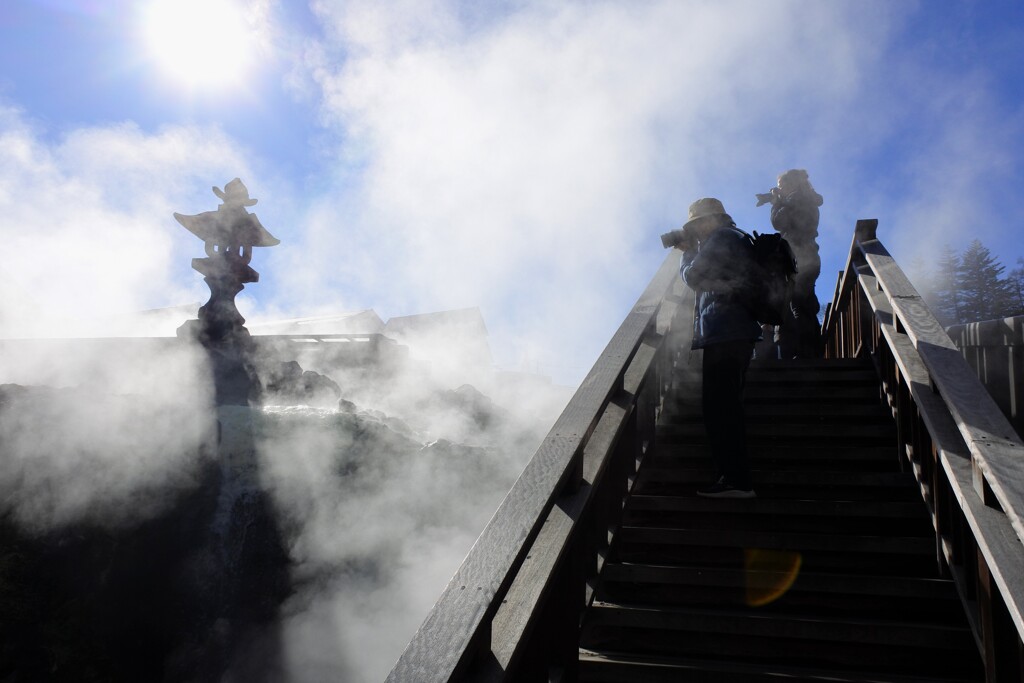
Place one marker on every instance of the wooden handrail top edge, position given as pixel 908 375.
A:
pixel 502 546
pixel 1008 489
pixel 998 557
pixel 955 456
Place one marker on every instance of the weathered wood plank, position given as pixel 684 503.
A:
pixel 519 613
pixel 775 507
pixel 455 630
pixel 995 447
pixel 444 643
pixel 783 451
pixel 996 540
pixel 889 545
pixel 845 283
pixel 779 626
pixel 805 411
pixel 995 351
pixel 607 668
pixel 809 480
pixel 849 584
pixel 804 431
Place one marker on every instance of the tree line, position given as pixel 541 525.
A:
pixel 971 286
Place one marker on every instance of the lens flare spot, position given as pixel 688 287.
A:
pixel 769 574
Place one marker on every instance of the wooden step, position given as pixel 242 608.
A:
pixel 831 364
pixel 795 412
pixel 765 391
pixel 789 484
pixel 825 371
pixel 770 455
pixel 748 636
pixel 780 540
pixel 822 376
pixel 872 517
pixel 891 555
pixel 823 433
pixel 829 574
pixel 794 591
pixel 598 667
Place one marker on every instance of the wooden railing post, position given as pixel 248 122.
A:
pixel 994 349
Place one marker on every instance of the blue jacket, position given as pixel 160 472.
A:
pixel 718 271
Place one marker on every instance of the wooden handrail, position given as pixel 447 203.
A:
pixel 995 351
pixel 967 458
pixel 511 612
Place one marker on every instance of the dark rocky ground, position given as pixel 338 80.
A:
pixel 148 602
pixel 118 564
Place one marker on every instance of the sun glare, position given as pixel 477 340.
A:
pixel 200 43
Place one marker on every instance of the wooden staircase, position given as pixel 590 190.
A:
pixel 830 574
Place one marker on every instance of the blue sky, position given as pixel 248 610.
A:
pixel 519 156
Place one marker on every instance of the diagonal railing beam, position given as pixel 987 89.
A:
pixel 454 642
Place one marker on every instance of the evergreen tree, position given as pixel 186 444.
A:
pixel 944 298
pixel 1016 287
pixel 983 293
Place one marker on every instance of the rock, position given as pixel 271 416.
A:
pixel 286 383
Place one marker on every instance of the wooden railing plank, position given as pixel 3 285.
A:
pixel 967 458
pixel 995 447
pixel 995 351
pixel 534 580
pixel 457 630
pixel 441 647
pixel 847 276
pixel 516 617
pixel 997 543
pixel 583 411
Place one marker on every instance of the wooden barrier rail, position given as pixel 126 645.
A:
pixel 995 351
pixel 511 612
pixel 967 458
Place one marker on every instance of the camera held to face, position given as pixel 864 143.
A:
pixel 683 239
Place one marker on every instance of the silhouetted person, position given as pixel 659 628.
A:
pixel 795 215
pixel 716 264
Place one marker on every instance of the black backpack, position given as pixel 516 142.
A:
pixel 771 287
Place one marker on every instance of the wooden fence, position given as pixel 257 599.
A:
pixel 967 458
pixel 995 351
pixel 512 610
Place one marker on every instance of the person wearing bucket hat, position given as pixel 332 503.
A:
pixel 717 264
pixel 795 214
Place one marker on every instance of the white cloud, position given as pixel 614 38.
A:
pixel 86 219
pixel 516 161
pixel 962 182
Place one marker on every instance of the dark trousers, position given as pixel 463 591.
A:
pixel 725 372
pixel 799 335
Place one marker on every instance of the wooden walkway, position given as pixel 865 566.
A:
pixel 830 574
pixel 885 545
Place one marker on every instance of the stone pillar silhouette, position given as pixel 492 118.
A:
pixel 229 234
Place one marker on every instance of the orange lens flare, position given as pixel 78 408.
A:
pixel 769 574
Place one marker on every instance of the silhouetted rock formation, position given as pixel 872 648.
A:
pixel 286 383
pixel 182 574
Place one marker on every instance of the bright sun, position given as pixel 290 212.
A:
pixel 199 43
